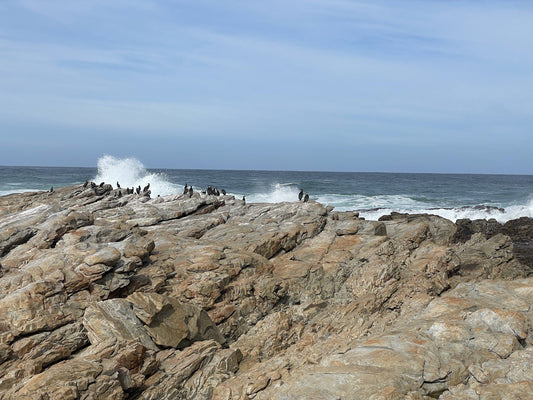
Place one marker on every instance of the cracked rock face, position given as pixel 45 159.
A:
pixel 113 297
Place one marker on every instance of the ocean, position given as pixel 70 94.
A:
pixel 452 196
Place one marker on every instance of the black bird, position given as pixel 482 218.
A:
pixel 306 198
pixel 190 191
pixel 300 195
pixel 209 190
pixel 85 184
pixel 138 190
pixel 186 189
pixel 216 192
pixel 51 189
pixel 102 184
pixel 118 185
pixel 223 192
pixel 244 200
pixel 146 188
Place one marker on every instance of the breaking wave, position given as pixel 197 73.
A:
pixel 500 214
pixel 130 172
pixel 374 207
pixel 278 193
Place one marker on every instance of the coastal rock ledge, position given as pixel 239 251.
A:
pixel 120 296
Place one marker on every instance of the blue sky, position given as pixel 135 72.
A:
pixel 337 85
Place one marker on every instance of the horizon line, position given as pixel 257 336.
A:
pixel 283 170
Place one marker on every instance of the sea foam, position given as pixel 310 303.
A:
pixel 130 172
pixel 279 192
pixel 453 214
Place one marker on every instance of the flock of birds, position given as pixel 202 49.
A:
pixel 187 190
pixel 210 191
pixel 104 188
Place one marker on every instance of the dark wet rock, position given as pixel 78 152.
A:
pixel 521 233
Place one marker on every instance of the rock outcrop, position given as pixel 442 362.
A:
pixel 106 294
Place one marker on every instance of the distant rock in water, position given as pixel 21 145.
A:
pixel 108 294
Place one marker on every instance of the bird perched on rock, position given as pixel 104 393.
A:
pixel 244 200
pixel 223 192
pixel 306 197
pixel 146 188
pixel 190 191
pixel 185 189
pixel 85 184
pixel 118 185
pixel 51 189
pixel 300 195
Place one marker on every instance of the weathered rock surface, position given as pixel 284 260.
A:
pixel 113 296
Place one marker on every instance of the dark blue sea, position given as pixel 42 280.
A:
pixel 452 196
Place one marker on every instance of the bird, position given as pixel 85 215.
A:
pixel 190 191
pixel 118 185
pixel 185 189
pixel 300 195
pixel 85 184
pixel 146 188
pixel 244 200
pixel 51 189
pixel 306 197
pixel 223 192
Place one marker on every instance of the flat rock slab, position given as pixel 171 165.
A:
pixel 115 319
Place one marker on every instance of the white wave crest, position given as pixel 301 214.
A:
pixel 374 207
pixel 360 202
pixel 280 192
pixel 453 214
pixel 130 172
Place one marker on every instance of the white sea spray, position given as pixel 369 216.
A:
pixel 130 172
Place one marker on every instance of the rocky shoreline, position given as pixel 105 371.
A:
pixel 108 296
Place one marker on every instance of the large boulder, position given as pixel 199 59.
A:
pixel 171 323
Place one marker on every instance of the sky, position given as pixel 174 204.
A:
pixel 323 85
